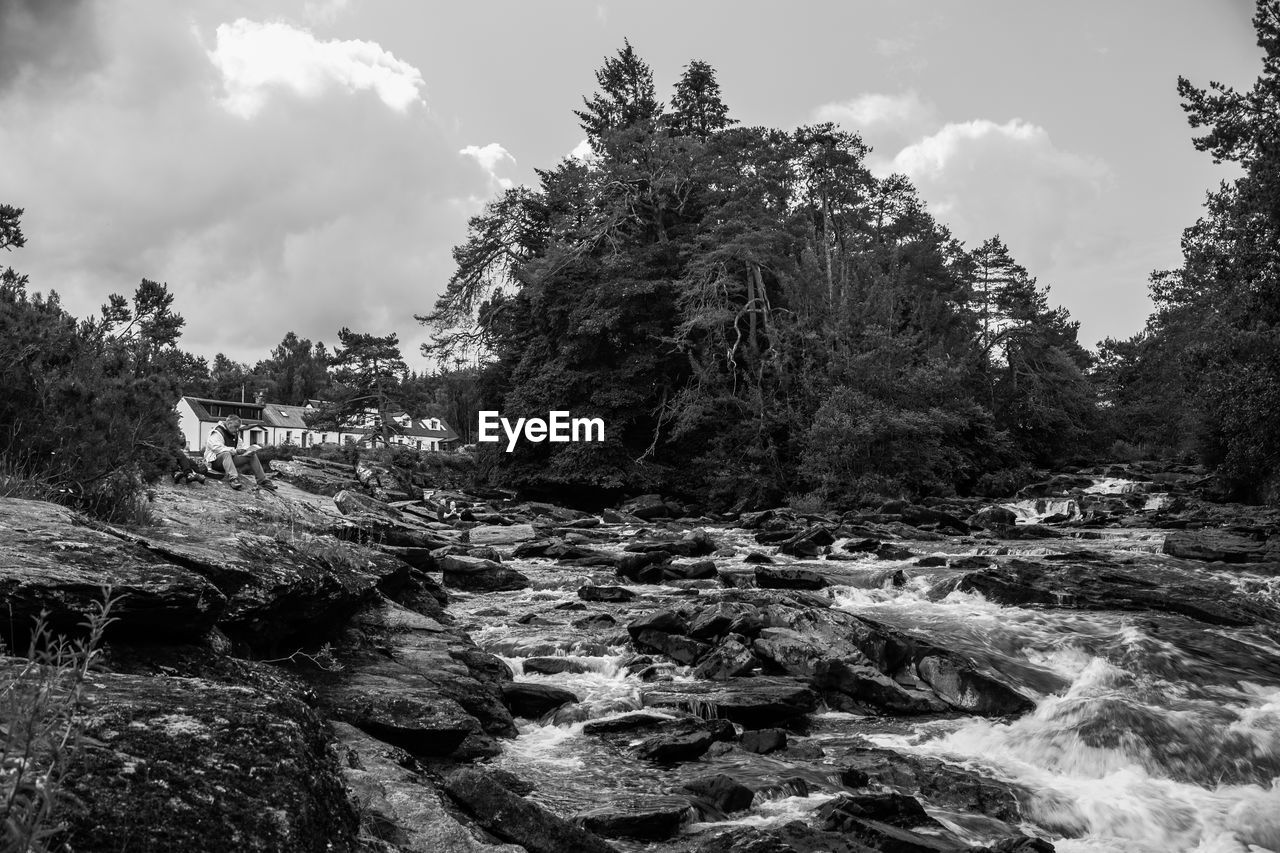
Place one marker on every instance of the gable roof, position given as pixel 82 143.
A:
pixel 286 417
pixel 212 411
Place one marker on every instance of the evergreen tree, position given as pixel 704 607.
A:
pixel 368 372
pixel 696 108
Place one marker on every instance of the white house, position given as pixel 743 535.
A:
pixel 277 423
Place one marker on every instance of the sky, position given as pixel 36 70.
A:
pixel 307 165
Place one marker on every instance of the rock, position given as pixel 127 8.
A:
pixel 500 534
pixel 756 558
pixel 51 561
pixel 613 594
pixel 397 706
pixel 729 659
pixel 861 546
pixel 885 837
pixel 695 570
pixel 675 646
pixel 944 785
pixel 649 507
pixel 355 504
pixel 779 577
pixel 553 666
pixel 630 721
pixel 717 620
pixel 854 687
pixel 642 567
pixel 478 575
pixel 595 621
pixel 191 764
pixel 808 543
pixel 919 516
pixel 723 793
pixel 398 806
pixel 646 818
pixel 893 552
pixel 534 701
pixel 958 684
pixel 666 621
pixel 763 741
pixel 930 562
pixel 517 820
pixel 1213 545
pixel 993 517
pixel 842 813
pixel 677 740
pixel 753 703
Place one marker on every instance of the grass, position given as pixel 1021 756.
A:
pixel 40 699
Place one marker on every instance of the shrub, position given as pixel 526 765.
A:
pixel 39 702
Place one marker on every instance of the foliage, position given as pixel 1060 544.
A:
pixel 1205 373
pixel 368 373
pixel 753 315
pixel 88 405
pixel 40 698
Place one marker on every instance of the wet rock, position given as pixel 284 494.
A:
pixel 861 546
pixel 675 646
pixel 919 516
pixel 355 504
pixel 595 621
pixel 754 703
pixel 1213 545
pixel 517 820
pixel 857 688
pixel 893 552
pixel 993 516
pixel 397 706
pixel 641 818
pixel 730 658
pixel 681 740
pixel 500 534
pixel 723 793
pixel 1088 585
pixel 944 785
pixel 50 561
pixel 627 722
pixel 808 543
pixel 553 666
pixel 713 622
pixel 894 809
pixel 666 621
pixel 695 570
pixel 398 806
pixel 613 594
pixel 533 701
pixel 646 567
pixel 478 575
pixel 961 686
pixel 190 764
pixel 756 558
pixel 887 838
pixel 794 837
pixel 763 741
pixel 780 577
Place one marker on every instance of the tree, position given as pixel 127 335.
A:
pixel 369 372
pixel 626 100
pixel 696 108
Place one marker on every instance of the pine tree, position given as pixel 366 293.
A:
pixel 696 108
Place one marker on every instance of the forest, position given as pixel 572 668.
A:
pixel 756 317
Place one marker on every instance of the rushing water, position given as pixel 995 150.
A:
pixel 1152 732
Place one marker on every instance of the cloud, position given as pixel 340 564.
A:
pixel 256 58
pixel 904 113
pixel 490 157
pixel 584 153
pixel 325 210
pixel 324 11
pixel 981 178
pixel 40 39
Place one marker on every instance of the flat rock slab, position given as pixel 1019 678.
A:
pixel 515 819
pixel 751 702
pixel 639 818
pixel 498 534
pixel 190 764
pixel 1213 545
pixel 49 560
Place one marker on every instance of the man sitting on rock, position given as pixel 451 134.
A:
pixel 221 449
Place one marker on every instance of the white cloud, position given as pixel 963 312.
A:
pixel 324 11
pixel 904 113
pixel 982 178
pixel 584 153
pixel 256 58
pixel 490 157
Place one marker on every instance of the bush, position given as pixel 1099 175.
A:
pixel 39 701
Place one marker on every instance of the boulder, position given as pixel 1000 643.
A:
pixel 944 785
pixel 730 658
pixel 842 813
pixel 785 577
pixel 645 818
pixel 515 819
pixel 680 740
pixel 500 534
pixel 355 504
pixel 723 793
pixel 611 594
pixel 192 764
pixel 534 701
pixel 675 646
pixel 763 741
pixel 993 516
pixel 1213 546
pixel 753 703
pixel 479 575
pixel 51 561
pixel 553 666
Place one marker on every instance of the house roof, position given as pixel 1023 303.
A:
pixel 202 407
pixel 280 415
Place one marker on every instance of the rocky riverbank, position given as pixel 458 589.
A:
pixel 345 666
